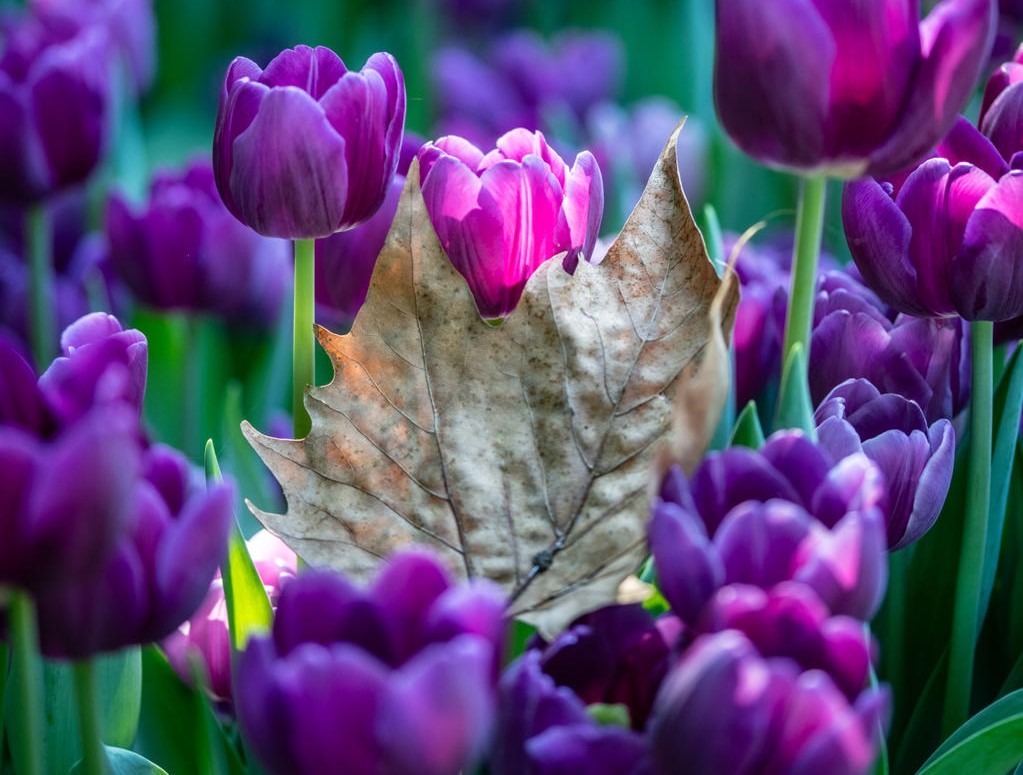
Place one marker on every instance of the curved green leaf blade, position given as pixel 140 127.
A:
pixel 124 762
pixel 990 742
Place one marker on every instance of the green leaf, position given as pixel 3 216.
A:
pixel 1008 405
pixel 616 715
pixel 748 431
pixel 990 742
pixel 248 607
pixel 254 483
pixel 795 407
pixel 923 732
pixel 124 762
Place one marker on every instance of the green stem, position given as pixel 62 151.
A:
pixel 4 658
pixel 303 348
pixel 971 557
pixel 805 254
pixel 94 756
pixel 27 678
pixel 193 373
pixel 41 309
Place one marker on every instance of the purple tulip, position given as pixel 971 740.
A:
pixel 1001 112
pixel 543 729
pixel 49 84
pixel 616 655
pixel 783 514
pixel 946 239
pixel 205 636
pixel 915 459
pixel 22 404
pixel 819 87
pixel 102 364
pixel 160 570
pixel 398 679
pixel 184 250
pixel 129 24
pixel 306 147
pixel 478 203
pixel 345 261
pixel 67 500
pixel 727 708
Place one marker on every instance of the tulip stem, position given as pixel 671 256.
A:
pixel 26 679
pixel 94 756
pixel 965 624
pixel 304 350
pixel 41 307
pixel 805 255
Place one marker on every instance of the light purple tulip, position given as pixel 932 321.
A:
pixel 820 86
pixel 500 215
pixel 307 147
pixel 1001 112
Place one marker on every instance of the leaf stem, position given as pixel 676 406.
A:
pixel 94 756
pixel 41 297
pixel 303 348
pixel 26 678
pixel 805 256
pixel 971 558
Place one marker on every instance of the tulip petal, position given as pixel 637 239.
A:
pixel 289 177
pixel 313 70
pixel 879 236
pixel 689 568
pixel 579 219
pixel 760 46
pixel 955 38
pixel 987 274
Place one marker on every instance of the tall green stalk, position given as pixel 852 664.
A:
pixel 965 626
pixel 805 255
pixel 303 346
pixel 42 322
pixel 94 756
pixel 26 679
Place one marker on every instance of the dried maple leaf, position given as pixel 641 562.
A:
pixel 521 452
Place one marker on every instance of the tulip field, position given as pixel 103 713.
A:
pixel 481 387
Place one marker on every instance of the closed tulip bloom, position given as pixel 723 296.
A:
pixel 49 84
pixel 501 215
pixel 727 708
pixel 1001 112
pixel 184 251
pixel 822 86
pixel 206 636
pixel 307 147
pixel 946 239
pixel 914 457
pixel 395 680
pixel 160 569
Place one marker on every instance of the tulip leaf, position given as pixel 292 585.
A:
pixel 1008 405
pixel 991 741
pixel 747 431
pixel 248 607
pixel 520 452
pixel 123 762
pixel 795 407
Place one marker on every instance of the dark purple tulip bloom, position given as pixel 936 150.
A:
pixel 185 251
pixel 160 570
pixel 345 261
pixel 129 24
pixel 783 513
pixel 616 655
pixel 48 84
pixel 946 239
pixel 398 679
pixel 915 459
pixel 543 729
pixel 924 359
pixel 66 500
pixel 478 202
pixel 102 364
pixel 726 708
pixel 822 87
pixel 307 147
pixel 1001 112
